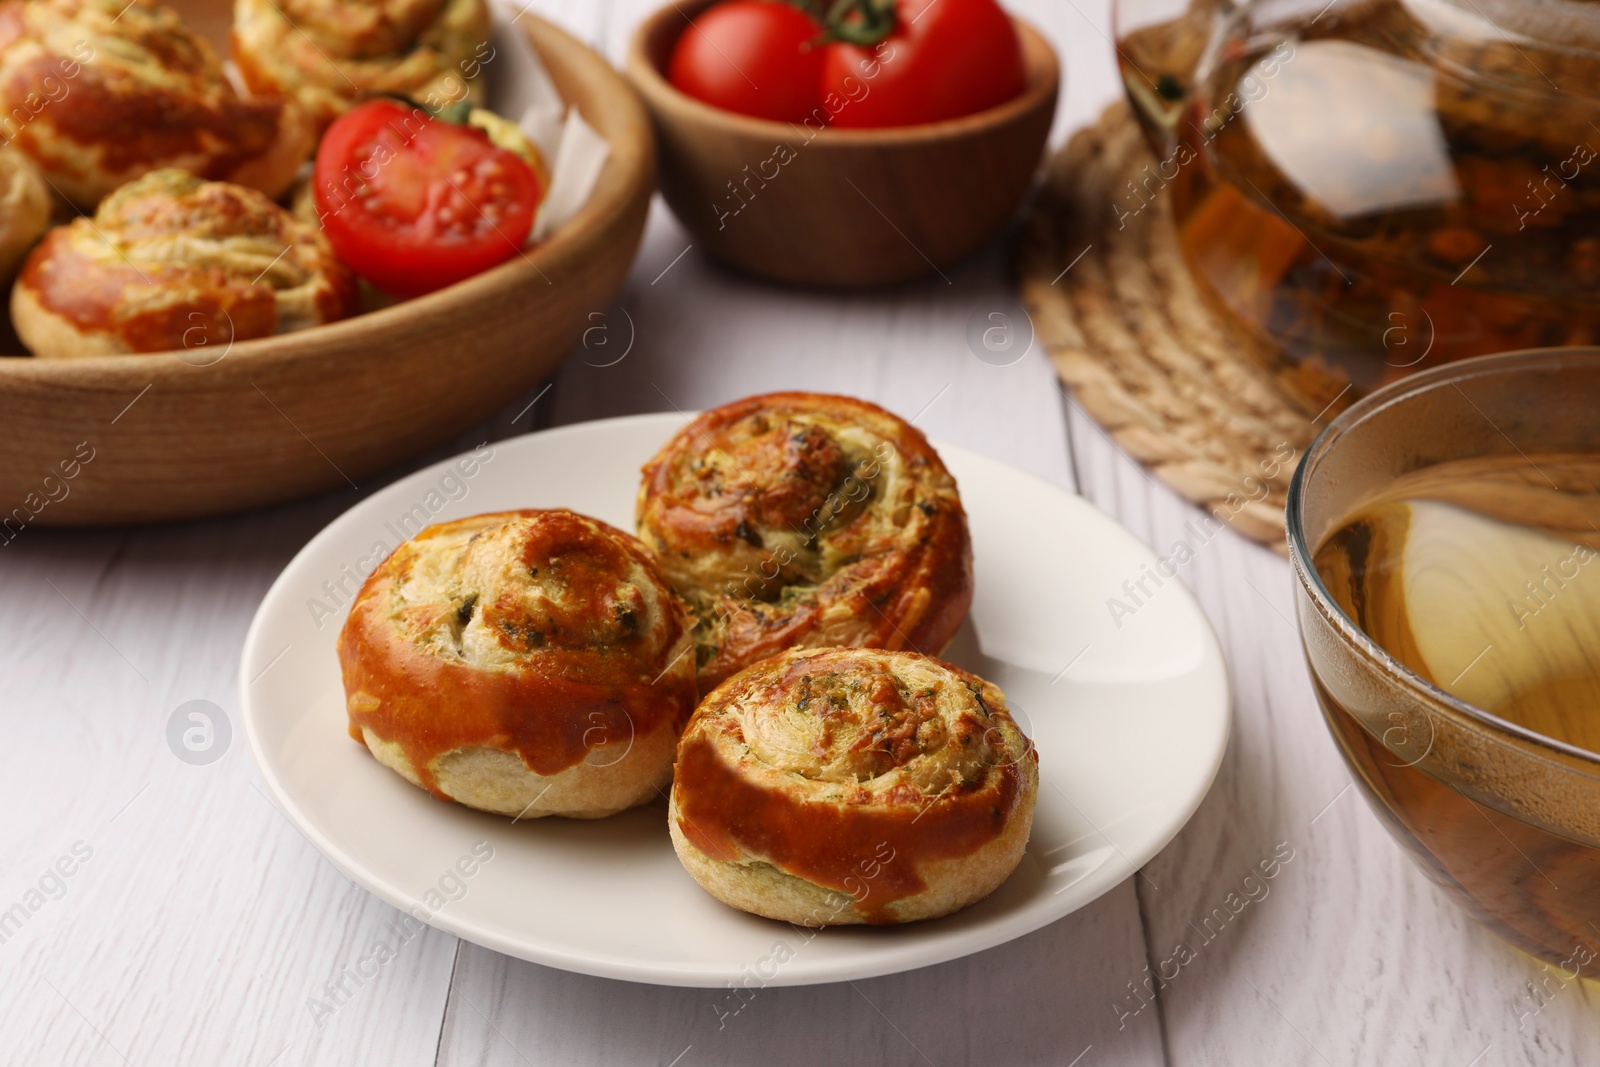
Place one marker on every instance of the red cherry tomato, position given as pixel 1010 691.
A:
pixel 756 57
pixel 413 203
pixel 944 59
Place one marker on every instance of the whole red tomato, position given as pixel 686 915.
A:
pixel 756 57
pixel 944 59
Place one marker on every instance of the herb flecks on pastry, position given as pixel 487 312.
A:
pixel 526 662
pixel 330 54
pixel 798 519
pixel 839 786
pixel 24 210
pixel 100 92
pixel 172 262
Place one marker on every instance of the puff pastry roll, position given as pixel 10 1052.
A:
pixel 840 786
pixel 329 54
pixel 24 210
pixel 798 519
pixel 523 662
pixel 171 262
pixel 100 92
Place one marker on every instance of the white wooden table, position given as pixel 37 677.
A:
pixel 201 926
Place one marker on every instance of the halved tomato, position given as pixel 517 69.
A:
pixel 413 203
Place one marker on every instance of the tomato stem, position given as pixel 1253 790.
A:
pixel 456 113
pixel 858 22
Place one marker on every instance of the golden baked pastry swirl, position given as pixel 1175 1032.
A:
pixel 171 262
pixel 329 54
pixel 523 662
pixel 798 519
pixel 99 92
pixel 24 210
pixel 828 786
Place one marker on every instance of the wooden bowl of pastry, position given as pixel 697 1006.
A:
pixel 180 434
pixel 841 207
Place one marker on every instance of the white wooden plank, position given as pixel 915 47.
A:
pixel 1037 1000
pixel 1349 955
pixel 621 18
pixel 702 335
pixel 1080 31
pixel 201 923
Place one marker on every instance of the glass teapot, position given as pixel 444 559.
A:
pixel 1375 186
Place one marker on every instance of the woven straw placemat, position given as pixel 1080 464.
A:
pixel 1174 384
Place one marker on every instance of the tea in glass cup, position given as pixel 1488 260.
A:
pixel 1446 536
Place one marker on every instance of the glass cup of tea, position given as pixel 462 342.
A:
pixel 1446 536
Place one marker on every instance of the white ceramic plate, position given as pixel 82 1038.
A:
pixel 1130 721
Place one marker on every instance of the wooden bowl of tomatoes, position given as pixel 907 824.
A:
pixel 881 146
pixel 224 427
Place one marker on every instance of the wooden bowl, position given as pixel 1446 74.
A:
pixel 851 207
pixel 283 416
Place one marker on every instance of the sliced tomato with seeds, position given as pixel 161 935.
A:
pixel 413 203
